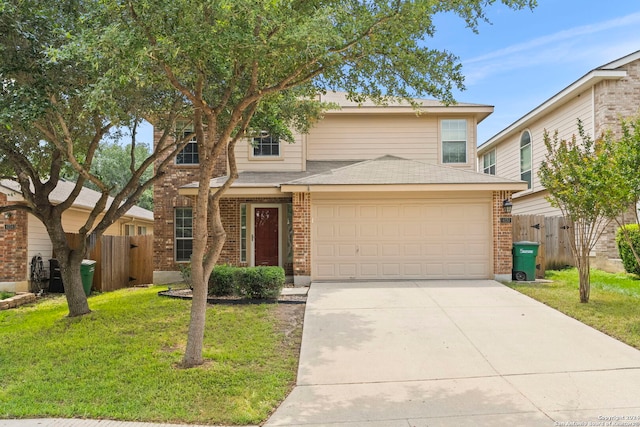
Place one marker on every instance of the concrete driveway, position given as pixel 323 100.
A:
pixel 443 353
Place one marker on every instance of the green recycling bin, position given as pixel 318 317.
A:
pixel 524 260
pixel 87 268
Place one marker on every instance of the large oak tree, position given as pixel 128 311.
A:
pixel 243 65
pixel 56 111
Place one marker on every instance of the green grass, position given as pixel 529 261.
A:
pixel 120 362
pixel 613 307
pixel 5 295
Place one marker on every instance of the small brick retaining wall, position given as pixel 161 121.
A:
pixel 17 300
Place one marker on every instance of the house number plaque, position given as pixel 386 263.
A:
pixel 505 220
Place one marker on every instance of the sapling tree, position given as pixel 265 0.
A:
pixel 577 175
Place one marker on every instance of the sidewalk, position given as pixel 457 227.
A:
pixel 64 422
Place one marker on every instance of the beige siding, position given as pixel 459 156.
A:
pixel 290 159
pixel 39 242
pixel 72 220
pixel 364 137
pixel 563 119
pixel 534 204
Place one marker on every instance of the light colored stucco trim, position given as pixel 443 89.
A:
pixel 508 186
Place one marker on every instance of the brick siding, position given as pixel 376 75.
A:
pixel 502 236
pixel 615 99
pixel 13 244
pixel 302 234
pixel 166 199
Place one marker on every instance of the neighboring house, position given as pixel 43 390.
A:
pixel 371 192
pixel 23 236
pixel 599 99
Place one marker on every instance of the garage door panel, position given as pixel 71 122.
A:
pixel 347 270
pixel 347 250
pixel 413 250
pixel 390 230
pixel 368 230
pixel 347 230
pixel 412 270
pixel 391 270
pixel 368 212
pixel 401 239
pixel 369 270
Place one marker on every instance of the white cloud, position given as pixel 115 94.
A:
pixel 593 44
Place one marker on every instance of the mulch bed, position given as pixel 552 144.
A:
pixel 185 293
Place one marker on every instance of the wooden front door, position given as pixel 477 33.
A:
pixel 266 246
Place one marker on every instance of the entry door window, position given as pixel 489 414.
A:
pixel 266 246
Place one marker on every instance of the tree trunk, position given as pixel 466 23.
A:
pixel 585 279
pixel 70 261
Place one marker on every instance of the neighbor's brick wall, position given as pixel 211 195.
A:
pixel 502 235
pixel 617 98
pixel 614 99
pixel 166 199
pixel 302 234
pixel 13 245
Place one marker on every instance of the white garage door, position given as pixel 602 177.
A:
pixel 398 239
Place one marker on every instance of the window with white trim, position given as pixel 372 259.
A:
pixel 183 226
pixel 525 157
pixel 266 146
pixel 243 232
pixel 489 163
pixel 454 140
pixel 189 154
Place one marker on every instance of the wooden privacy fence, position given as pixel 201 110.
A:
pixel 551 232
pixel 121 261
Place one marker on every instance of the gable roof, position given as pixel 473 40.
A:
pixel 86 200
pixel 396 171
pixel 381 174
pixel 480 111
pixel 609 71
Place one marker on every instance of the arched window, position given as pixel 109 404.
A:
pixel 525 157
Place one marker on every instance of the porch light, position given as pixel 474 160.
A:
pixel 507 206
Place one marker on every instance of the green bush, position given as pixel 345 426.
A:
pixel 185 271
pixel 259 282
pixel 221 281
pixel 628 260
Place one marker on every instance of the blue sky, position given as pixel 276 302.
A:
pixel 525 57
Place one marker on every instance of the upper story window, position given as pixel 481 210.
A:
pixel 525 157
pixel 454 141
pixel 183 228
pixel 489 163
pixel 189 154
pixel 266 146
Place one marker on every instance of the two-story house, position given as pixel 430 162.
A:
pixel 598 99
pixel 371 192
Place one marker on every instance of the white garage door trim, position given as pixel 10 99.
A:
pixel 401 239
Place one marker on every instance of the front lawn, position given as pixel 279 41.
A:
pixel 613 308
pixel 120 362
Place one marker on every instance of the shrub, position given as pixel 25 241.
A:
pixel 185 271
pixel 628 260
pixel 221 281
pixel 259 282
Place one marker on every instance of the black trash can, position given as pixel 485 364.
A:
pixel 55 277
